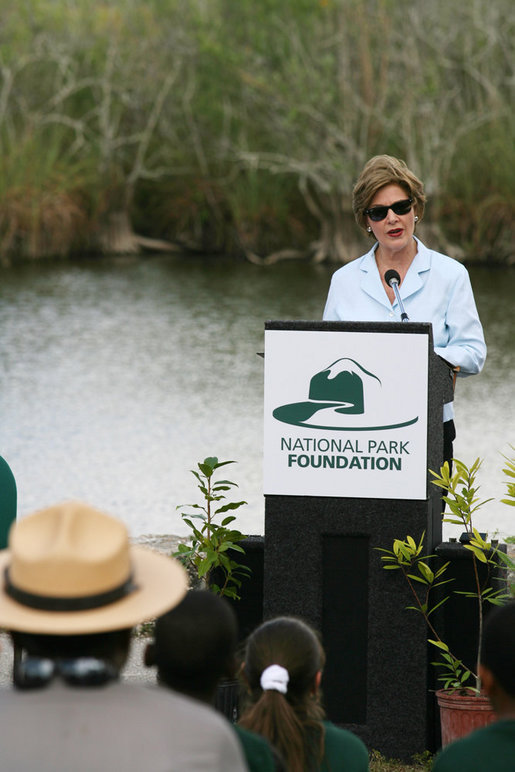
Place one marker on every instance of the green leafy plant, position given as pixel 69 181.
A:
pixel 509 471
pixel 461 498
pixel 212 543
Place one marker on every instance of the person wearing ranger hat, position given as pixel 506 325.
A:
pixel 72 587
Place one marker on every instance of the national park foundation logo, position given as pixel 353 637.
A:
pixel 345 414
pixel 340 398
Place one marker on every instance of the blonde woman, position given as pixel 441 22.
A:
pixel 388 202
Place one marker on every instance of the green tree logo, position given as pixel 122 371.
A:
pixel 340 387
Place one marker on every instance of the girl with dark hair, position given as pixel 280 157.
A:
pixel 282 671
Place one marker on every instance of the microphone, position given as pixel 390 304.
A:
pixel 393 280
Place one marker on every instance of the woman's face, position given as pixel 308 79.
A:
pixel 395 232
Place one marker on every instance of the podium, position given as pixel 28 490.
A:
pixel 352 423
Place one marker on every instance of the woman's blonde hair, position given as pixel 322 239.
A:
pixel 383 170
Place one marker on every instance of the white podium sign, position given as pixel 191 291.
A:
pixel 345 414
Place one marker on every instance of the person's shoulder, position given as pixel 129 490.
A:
pixel 250 739
pixel 167 703
pixel 353 266
pixel 505 726
pixel 440 260
pixel 257 750
pixel 154 724
pixel 183 720
pixel 332 730
pixel 491 745
pixel 337 737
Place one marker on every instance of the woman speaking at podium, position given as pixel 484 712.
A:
pixel 400 278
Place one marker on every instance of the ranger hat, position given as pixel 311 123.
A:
pixel 70 569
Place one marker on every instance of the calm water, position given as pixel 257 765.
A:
pixel 118 375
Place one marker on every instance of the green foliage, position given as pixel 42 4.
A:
pixel 462 500
pixel 195 100
pixel 407 556
pixel 476 221
pixel 509 471
pixel 42 194
pixel 454 675
pixel 212 541
pixel 461 492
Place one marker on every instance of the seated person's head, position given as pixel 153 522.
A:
pixel 73 589
pixel 282 670
pixel 195 644
pixel 497 667
pixel 294 646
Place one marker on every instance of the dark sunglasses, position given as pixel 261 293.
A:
pixel 37 672
pixel 378 213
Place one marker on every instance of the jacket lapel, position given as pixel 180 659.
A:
pixel 413 281
pixel 370 279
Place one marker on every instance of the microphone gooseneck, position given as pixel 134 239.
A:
pixel 393 280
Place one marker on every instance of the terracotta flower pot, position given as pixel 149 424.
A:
pixel 460 714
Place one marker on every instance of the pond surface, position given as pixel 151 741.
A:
pixel 119 374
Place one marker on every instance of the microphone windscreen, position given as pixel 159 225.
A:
pixel 391 276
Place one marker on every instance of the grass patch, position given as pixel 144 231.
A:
pixel 145 629
pixel 420 761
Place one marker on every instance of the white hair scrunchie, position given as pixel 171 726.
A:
pixel 275 677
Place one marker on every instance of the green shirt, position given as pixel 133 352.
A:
pixel 344 751
pixel 257 751
pixel 489 749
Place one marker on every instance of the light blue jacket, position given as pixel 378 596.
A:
pixel 436 289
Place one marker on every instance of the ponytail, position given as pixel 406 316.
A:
pixel 299 741
pixel 283 658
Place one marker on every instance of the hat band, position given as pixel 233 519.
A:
pixel 79 603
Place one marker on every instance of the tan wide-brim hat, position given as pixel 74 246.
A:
pixel 70 569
